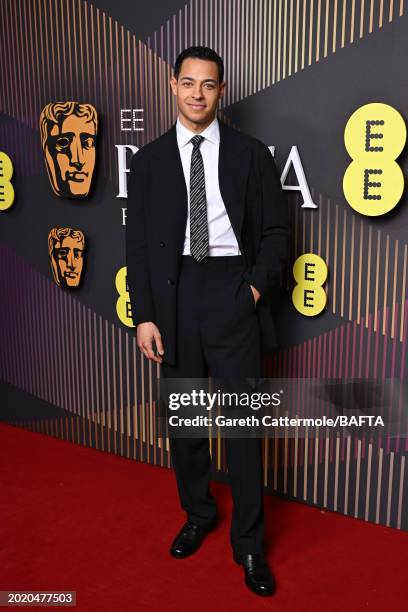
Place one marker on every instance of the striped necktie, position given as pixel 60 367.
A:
pixel 198 203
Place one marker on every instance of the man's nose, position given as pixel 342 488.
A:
pixel 197 93
pixel 77 155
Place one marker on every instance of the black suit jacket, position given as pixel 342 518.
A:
pixel 156 223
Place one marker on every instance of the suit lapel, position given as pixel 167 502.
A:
pixel 233 168
pixel 169 187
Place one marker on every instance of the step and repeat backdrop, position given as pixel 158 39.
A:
pixel 84 85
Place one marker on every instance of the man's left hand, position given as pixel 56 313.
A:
pixel 255 293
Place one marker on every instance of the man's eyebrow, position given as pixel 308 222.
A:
pixel 204 80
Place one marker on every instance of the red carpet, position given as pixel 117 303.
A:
pixel 73 518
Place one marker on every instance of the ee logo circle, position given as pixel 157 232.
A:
pixel 374 137
pixel 123 308
pixel 6 188
pixel 310 273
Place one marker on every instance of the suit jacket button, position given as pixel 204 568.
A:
pixel 170 281
pixel 162 244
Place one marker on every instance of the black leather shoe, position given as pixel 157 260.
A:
pixel 189 539
pixel 258 576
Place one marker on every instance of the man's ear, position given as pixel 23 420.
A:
pixel 173 84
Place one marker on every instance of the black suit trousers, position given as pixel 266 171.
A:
pixel 218 335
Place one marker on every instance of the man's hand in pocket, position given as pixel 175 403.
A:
pixel 255 293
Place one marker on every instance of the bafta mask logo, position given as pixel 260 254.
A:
pixel 68 136
pixel 66 249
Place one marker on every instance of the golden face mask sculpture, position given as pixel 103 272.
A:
pixel 66 249
pixel 68 137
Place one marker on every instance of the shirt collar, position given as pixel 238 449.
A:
pixel 211 132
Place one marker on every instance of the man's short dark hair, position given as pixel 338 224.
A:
pixel 204 53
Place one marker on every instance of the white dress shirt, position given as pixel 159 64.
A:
pixel 222 240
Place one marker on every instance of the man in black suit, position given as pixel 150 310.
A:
pixel 206 239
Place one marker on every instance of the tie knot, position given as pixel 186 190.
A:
pixel 197 140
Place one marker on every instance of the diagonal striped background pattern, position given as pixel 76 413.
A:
pixel 368 279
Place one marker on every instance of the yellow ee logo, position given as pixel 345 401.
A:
pixel 123 308
pixel 6 188
pixel 374 137
pixel 310 273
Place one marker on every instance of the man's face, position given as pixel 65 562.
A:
pixel 198 91
pixel 68 261
pixel 70 156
